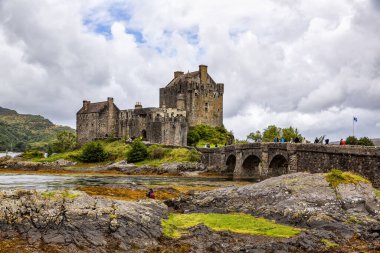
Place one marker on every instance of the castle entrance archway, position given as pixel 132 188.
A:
pixel 278 166
pixel 250 168
pixel 143 135
pixel 230 164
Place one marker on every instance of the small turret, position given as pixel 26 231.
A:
pixel 138 105
pixel 178 74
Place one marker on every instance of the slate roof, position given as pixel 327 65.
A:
pixel 183 78
pixel 95 107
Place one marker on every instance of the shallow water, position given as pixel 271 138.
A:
pixel 25 181
pixel 12 154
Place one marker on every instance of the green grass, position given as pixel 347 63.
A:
pixel 171 155
pixel 65 194
pixel 48 195
pixel 116 149
pixel 328 243
pixel 336 177
pixel 177 224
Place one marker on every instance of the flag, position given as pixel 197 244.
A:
pixel 355 119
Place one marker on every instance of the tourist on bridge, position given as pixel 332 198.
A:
pixel 316 140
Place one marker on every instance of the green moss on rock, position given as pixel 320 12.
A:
pixel 177 224
pixel 336 177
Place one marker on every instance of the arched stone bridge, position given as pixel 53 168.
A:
pixel 263 160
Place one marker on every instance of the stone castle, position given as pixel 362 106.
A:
pixel 188 100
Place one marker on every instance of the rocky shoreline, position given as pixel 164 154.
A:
pixel 186 169
pixel 345 218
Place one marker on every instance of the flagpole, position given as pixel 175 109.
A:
pixel 353 126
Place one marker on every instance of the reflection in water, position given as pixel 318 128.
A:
pixel 11 181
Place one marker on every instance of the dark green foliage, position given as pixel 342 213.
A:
pixel 138 151
pixel 19 132
pixel 193 137
pixel 93 152
pixel 208 134
pixel 255 136
pixel 365 141
pixel 290 133
pixel 156 152
pixel 272 131
pixel 351 140
pixel 66 141
pixel 32 154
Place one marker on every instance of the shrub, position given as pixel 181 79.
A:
pixel 156 152
pixel 365 141
pixel 93 152
pixel 138 151
pixel 33 154
pixel 194 156
pixel 351 140
pixel 208 134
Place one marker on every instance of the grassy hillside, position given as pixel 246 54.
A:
pixel 21 131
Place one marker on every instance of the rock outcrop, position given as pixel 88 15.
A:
pixel 76 222
pixel 348 212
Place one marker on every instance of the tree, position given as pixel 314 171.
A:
pixel 93 152
pixel 365 141
pixel 209 134
pixel 193 138
pixel 138 151
pixel 66 141
pixel 290 133
pixel 271 132
pixel 255 136
pixel 351 140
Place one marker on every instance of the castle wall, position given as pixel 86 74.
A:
pixel 165 126
pixel 87 127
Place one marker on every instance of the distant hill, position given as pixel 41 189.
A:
pixel 21 131
pixel 376 142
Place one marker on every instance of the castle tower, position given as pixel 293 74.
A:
pixel 198 93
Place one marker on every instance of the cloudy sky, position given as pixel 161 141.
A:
pixel 310 64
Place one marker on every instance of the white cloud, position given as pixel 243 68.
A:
pixel 308 64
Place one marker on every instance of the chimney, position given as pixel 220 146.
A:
pixel 178 74
pixel 110 102
pixel 203 73
pixel 138 105
pixel 86 104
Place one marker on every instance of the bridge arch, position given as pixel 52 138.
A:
pixel 251 167
pixel 230 164
pixel 278 166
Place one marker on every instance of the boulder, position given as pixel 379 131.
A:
pixel 77 221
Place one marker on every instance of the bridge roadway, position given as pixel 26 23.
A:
pixel 263 160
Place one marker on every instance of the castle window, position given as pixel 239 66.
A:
pixel 206 107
